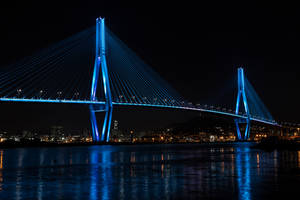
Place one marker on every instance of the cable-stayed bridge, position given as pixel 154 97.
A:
pixel 108 74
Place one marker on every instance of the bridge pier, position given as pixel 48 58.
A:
pixel 95 132
pixel 247 129
pixel 106 125
pixel 104 136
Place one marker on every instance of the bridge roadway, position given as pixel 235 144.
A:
pixel 65 101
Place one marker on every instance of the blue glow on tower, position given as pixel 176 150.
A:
pixel 242 94
pixel 100 62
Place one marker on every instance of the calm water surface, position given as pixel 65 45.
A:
pixel 188 171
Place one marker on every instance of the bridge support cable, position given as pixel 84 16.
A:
pixel 56 73
pixel 30 62
pixel 257 108
pixel 138 82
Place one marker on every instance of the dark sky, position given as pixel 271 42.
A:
pixel 195 47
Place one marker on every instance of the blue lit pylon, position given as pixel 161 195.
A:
pixel 100 64
pixel 242 94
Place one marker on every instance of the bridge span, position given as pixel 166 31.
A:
pixel 119 78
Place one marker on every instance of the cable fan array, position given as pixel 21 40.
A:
pixel 132 80
pixel 257 108
pixel 61 71
pixel 64 71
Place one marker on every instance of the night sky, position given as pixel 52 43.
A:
pixel 195 47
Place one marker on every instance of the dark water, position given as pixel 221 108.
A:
pixel 149 172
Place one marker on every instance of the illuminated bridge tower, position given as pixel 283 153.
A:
pixel 242 94
pixel 100 64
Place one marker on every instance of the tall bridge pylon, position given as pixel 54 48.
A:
pixel 242 95
pixel 100 65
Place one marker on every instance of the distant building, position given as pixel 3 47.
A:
pixel 27 134
pixel 86 133
pixel 116 125
pixel 57 133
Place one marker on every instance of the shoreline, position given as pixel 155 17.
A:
pixel 46 144
pixel 268 145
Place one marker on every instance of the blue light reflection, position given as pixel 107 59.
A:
pixel 243 173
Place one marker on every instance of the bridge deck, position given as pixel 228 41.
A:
pixel 68 101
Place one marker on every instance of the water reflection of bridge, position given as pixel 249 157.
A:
pixel 141 172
